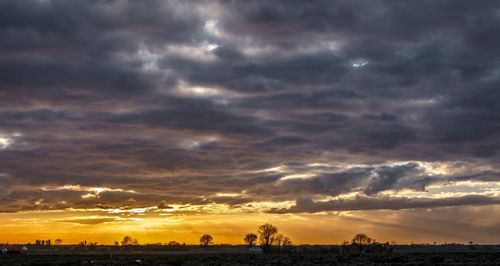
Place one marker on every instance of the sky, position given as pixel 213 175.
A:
pixel 166 120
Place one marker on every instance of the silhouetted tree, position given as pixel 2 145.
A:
pixel 267 232
pixel 282 241
pixel 361 239
pixel 286 242
pixel 116 243
pixel 250 239
pixel 278 239
pixel 129 241
pixel 206 240
pixel 173 243
pixel 58 241
pixel 344 245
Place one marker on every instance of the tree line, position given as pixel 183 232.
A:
pixel 267 236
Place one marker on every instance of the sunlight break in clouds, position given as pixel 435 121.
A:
pixel 359 63
pixel 4 143
pixel 7 140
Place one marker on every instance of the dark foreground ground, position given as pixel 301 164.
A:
pixel 261 260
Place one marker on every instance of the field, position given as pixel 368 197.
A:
pixel 253 259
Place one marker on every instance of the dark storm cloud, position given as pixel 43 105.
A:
pixel 366 180
pixel 54 49
pixel 369 203
pixel 181 100
pixel 196 115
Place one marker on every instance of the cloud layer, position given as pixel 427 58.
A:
pixel 345 105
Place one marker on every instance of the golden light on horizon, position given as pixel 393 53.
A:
pixel 321 228
pixel 152 222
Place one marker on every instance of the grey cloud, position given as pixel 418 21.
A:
pixel 367 180
pixel 486 176
pixel 387 177
pixel 61 198
pixel 330 184
pixel 385 203
pixel 73 84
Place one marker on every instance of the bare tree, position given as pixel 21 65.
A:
pixel 173 243
pixel 282 241
pixel 58 241
pixel 278 240
pixel 129 241
pixel 286 242
pixel 361 239
pixel 206 240
pixel 250 239
pixel 267 232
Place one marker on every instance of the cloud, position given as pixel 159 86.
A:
pixel 257 99
pixel 363 203
pixel 90 221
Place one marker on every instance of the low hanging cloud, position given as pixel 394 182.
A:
pixel 363 203
pixel 90 221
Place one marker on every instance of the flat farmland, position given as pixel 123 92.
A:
pixel 253 259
